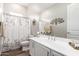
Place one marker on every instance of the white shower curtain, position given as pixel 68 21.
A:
pixel 16 30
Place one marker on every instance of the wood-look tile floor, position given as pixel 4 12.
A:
pixel 17 52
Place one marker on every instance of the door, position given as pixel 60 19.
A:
pixel 41 50
pixel 73 21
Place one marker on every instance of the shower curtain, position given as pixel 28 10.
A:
pixel 16 30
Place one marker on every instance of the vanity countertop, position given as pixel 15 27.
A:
pixel 60 45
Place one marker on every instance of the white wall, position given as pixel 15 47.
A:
pixel 57 10
pixel 15 8
pixel 1 9
pixel 34 29
pixel 19 9
pixel 1 5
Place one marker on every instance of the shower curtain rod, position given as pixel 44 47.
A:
pixel 16 15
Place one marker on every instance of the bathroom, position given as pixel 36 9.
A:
pixel 27 28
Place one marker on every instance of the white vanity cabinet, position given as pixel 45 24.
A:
pixel 55 53
pixel 37 49
pixel 31 46
pixel 45 47
pixel 41 50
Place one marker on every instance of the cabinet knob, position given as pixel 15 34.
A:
pixel 68 32
pixel 47 53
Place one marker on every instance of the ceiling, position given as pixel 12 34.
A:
pixel 37 7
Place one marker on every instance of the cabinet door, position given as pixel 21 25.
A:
pixel 54 53
pixel 41 50
pixel 32 47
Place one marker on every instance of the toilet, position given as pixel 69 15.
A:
pixel 25 45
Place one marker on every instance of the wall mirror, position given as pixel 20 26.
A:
pixel 59 27
pixel 56 18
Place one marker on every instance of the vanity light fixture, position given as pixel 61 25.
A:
pixel 34 22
